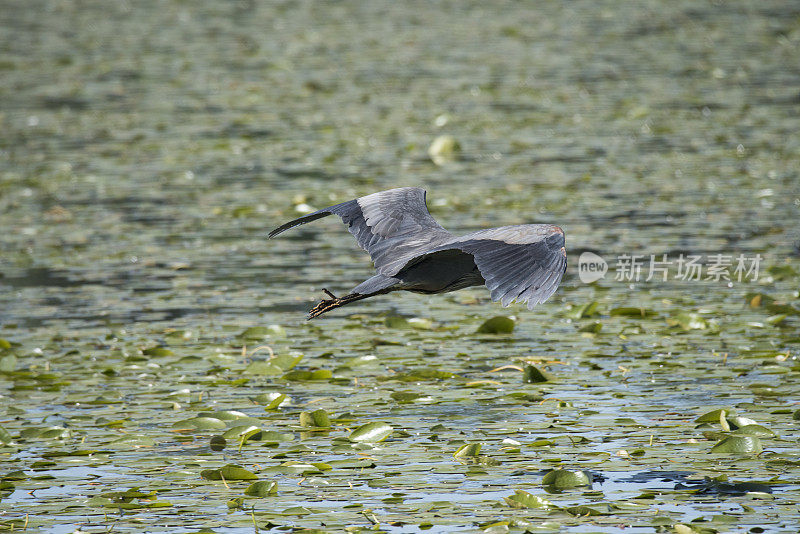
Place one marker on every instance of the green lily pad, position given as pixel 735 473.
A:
pixel 8 362
pixel 497 325
pixel 224 415
pixel 406 396
pixel 263 332
pixel 133 441
pixel 595 327
pixel 738 445
pixel 272 400
pixel 317 418
pixel 371 433
pixel 200 423
pixel 304 468
pixel 396 321
pixel 754 430
pixel 210 474
pixel 53 432
pixel 5 436
pixel 564 479
pixel 236 503
pixel 468 450
pixel 262 488
pixel 712 416
pixel 735 422
pixel 523 499
pixel 423 374
pixel 631 312
pixel 585 310
pixel 14 475
pixel 275 365
pixel 420 323
pixel 158 352
pixel 302 375
pixel 532 375
pixel 287 361
pixel 263 368
pixel 236 432
pixel 272 436
pixel 688 321
pixel 444 149
pixel 236 472
pixel 587 511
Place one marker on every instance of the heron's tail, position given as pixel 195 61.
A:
pixel 334 302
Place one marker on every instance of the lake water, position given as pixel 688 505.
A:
pixel 147 148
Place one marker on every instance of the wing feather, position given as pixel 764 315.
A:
pixel 523 263
pixel 393 226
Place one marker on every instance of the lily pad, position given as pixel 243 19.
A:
pixel 263 332
pixel 8 362
pixel 406 396
pixel 688 321
pixel 5 436
pixel 468 450
pixel 262 488
pixel 263 368
pixel 712 416
pixel 236 472
pixel 200 423
pixel 738 445
pixel 158 352
pixel 754 430
pixel 302 375
pixel 371 433
pixel 640 313
pixel 272 400
pixel 423 374
pixel 590 309
pixel 443 149
pixel 587 511
pixel 564 479
pixel 237 432
pixel 523 499
pixel 532 375
pixel 317 418
pixel 497 325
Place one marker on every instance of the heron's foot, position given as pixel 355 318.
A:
pixel 324 305
pixel 331 303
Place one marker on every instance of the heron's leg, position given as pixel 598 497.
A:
pixel 334 302
pixel 376 285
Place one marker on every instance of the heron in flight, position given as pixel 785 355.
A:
pixel 411 252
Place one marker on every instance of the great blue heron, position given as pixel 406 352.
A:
pixel 411 252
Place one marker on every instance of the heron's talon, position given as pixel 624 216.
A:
pixel 322 307
pixel 331 295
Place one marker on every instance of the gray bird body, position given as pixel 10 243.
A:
pixel 411 252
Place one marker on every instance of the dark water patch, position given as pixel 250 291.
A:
pixel 238 131
pixel 41 277
pixel 72 103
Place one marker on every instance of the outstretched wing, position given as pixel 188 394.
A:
pixel 523 263
pixel 393 226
